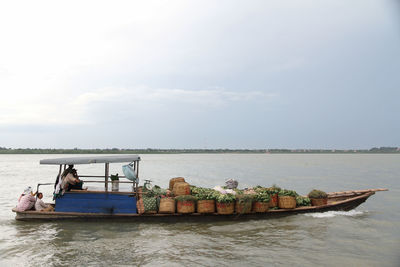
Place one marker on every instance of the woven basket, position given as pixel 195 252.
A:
pixel 319 201
pixel 244 207
pixel 274 201
pixel 287 202
pixel 206 206
pixel 181 188
pixel 185 206
pixel 175 180
pixel 260 206
pixel 167 205
pixel 225 208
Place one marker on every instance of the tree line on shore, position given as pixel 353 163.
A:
pixel 4 150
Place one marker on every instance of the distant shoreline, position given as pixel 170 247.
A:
pixel 375 150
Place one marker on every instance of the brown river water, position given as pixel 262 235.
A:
pixel 366 236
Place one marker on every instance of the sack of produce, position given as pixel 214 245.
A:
pixel 167 205
pixel 185 203
pixel 181 188
pixel 175 180
pixel 150 204
pixel 231 184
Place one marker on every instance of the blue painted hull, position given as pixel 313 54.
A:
pixel 108 203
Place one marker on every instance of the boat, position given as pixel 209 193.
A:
pixel 108 204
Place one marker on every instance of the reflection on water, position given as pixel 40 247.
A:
pixel 357 238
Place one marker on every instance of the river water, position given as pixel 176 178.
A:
pixel 366 236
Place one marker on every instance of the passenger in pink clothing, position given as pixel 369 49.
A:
pixel 26 200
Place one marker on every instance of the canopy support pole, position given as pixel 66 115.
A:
pixel 137 179
pixel 107 169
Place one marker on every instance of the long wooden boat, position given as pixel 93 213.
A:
pixel 337 201
pixel 94 205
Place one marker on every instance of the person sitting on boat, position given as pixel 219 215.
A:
pixel 71 181
pixel 40 205
pixel 26 200
pixel 58 190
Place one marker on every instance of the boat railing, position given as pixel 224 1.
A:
pixel 94 181
pixel 97 176
pixel 118 182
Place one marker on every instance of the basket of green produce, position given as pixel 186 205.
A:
pixel 186 203
pixel 287 199
pixel 273 191
pixel 261 202
pixel 225 203
pixel 318 197
pixel 205 199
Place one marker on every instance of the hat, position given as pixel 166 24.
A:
pixel 28 190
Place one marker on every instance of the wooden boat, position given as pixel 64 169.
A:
pixel 82 204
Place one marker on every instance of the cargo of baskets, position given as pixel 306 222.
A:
pixel 186 199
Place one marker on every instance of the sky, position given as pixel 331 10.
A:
pixel 200 74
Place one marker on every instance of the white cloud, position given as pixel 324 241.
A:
pixel 63 108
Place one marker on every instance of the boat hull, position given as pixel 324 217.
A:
pixel 96 202
pixel 335 204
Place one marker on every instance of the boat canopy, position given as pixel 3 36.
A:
pixel 91 159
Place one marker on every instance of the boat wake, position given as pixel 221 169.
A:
pixel 330 214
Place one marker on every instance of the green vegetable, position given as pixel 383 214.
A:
pixel 317 194
pixel 225 198
pixel 274 189
pixel 290 193
pixel 156 191
pixel 303 201
pixel 262 197
pixel 204 193
pixel 244 198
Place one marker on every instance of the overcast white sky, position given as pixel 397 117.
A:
pixel 200 74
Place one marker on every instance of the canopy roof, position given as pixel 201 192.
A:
pixel 91 159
